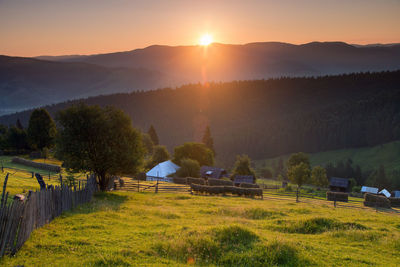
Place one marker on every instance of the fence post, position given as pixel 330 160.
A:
pixel 138 188
pixel 2 167
pixel 33 174
pixel 4 189
pixel 49 176
pixel 157 186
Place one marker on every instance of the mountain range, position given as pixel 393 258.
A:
pixel 31 82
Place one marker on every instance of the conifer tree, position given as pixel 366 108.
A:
pixel 208 140
pixel 153 135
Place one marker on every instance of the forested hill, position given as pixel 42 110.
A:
pixel 265 118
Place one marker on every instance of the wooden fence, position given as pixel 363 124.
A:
pixel 20 217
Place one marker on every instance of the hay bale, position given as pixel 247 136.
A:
pixel 371 200
pixel 179 180
pixel 338 196
pixel 248 185
pixel 192 180
pixel 219 182
pixel 394 202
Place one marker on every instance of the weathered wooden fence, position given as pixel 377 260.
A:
pixel 20 217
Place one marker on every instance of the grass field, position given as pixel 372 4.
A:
pixel 369 158
pixel 147 229
pixel 20 176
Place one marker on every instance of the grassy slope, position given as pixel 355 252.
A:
pixel 368 158
pixel 123 229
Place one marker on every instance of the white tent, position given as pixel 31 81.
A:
pixel 366 189
pixel 161 171
pixel 385 192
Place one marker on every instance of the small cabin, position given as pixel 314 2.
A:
pixel 212 172
pixel 337 184
pixel 238 179
pixel 396 194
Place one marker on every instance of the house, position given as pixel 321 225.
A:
pixel 337 184
pixel 212 172
pixel 384 192
pixel 238 179
pixel 161 171
pixel 396 194
pixel 371 190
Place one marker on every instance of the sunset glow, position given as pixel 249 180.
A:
pixel 206 39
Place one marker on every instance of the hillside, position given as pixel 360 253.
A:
pixel 172 229
pixel 368 158
pixel 47 80
pixel 27 83
pixel 266 118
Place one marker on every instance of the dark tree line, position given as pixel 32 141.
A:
pixel 266 118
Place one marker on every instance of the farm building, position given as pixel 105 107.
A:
pixel 396 194
pixel 384 192
pixel 212 172
pixel 238 179
pixel 337 184
pixel 161 171
pixel 371 190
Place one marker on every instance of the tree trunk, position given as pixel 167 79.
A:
pixel 297 195
pixel 102 182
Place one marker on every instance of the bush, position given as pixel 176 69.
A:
pixel 338 196
pixel 371 200
pixel 216 182
pixel 356 189
pixel 189 168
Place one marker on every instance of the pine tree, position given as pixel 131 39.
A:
pixel 208 140
pixel 18 124
pixel 153 135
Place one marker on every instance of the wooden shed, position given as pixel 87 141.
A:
pixel 212 172
pixel 337 184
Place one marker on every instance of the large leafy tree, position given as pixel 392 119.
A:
pixel 189 168
pixel 100 141
pixel 208 140
pixel 318 176
pixel 41 130
pixel 243 166
pixel 160 154
pixel 299 174
pixel 196 151
pixel 16 139
pixel 153 135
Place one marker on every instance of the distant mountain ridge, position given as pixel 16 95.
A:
pixel 29 82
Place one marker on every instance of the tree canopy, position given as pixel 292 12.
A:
pixel 318 176
pixel 189 168
pixel 196 151
pixel 100 141
pixel 243 166
pixel 41 130
pixel 297 158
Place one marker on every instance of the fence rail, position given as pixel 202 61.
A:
pixel 20 217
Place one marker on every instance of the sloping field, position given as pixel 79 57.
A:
pixel 176 229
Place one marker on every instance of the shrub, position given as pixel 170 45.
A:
pixel 338 196
pixel 189 168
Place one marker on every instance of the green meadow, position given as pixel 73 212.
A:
pixel 147 229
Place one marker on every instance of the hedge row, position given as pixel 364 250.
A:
pixel 43 166
pixel 371 200
pixel 216 190
pixel 337 196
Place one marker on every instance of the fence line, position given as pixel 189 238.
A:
pixel 20 217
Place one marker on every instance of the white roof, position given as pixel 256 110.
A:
pixel 163 169
pixel 366 189
pixel 385 192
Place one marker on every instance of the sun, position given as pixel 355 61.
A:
pixel 206 39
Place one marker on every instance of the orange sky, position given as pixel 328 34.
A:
pixel 54 27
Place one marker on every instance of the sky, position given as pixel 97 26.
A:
pixel 54 27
